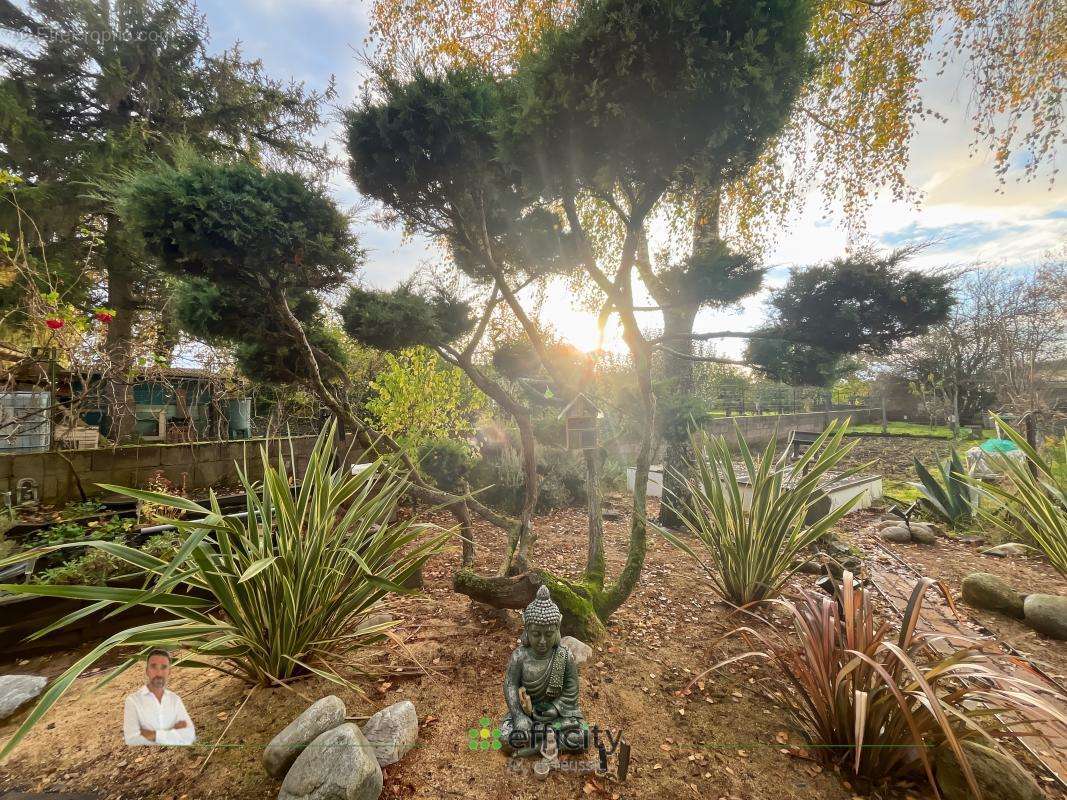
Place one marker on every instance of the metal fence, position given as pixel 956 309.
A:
pixel 743 400
pixel 24 421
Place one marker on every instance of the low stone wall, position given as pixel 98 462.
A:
pixel 757 431
pixel 200 465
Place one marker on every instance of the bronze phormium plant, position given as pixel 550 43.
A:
pixel 875 700
pixel 266 596
pixel 752 543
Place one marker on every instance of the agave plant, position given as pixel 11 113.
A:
pixel 1036 504
pixel 876 701
pixel 268 595
pixel 752 538
pixel 952 497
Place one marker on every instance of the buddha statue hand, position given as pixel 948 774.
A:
pixel 548 714
pixel 521 722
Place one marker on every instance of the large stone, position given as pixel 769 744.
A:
pixel 17 690
pixel 997 775
pixel 1047 614
pixel 896 533
pixel 392 732
pixel 321 716
pixel 1006 549
pixel 923 535
pixel 579 649
pixel 985 590
pixel 338 765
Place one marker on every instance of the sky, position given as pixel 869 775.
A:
pixel 971 218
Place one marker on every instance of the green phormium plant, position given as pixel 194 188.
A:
pixel 267 596
pixel 951 496
pixel 1035 506
pixel 752 542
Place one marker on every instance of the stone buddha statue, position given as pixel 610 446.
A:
pixel 541 686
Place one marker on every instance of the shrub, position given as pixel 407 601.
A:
pixel 612 476
pixel 752 545
pixel 952 496
pixel 115 529
pixel 873 700
pixel 500 483
pixel 1036 506
pixel 553 494
pixel 268 596
pixel 97 568
pixel 417 397
pixel 568 468
pixel 446 462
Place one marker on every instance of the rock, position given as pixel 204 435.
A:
pixel 579 649
pixel 920 534
pixel 889 522
pixel 985 590
pixel 1047 614
pixel 321 716
pixel 811 568
pixel 996 775
pixel 897 533
pixel 1004 550
pixel 17 690
pixel 392 732
pixel 414 581
pixel 338 765
pixel 835 547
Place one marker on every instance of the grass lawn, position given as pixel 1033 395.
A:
pixel 913 429
pixel 901 490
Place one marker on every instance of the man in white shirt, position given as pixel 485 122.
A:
pixel 154 714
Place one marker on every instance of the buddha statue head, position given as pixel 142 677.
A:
pixel 540 624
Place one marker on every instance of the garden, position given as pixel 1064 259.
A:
pixel 434 540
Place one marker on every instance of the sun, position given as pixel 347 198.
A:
pixel 579 328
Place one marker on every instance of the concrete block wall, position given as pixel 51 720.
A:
pixel 203 464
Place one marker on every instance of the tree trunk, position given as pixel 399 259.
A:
pixel 580 616
pixel 519 555
pixel 118 383
pixel 678 321
pixel 594 562
pixel 678 452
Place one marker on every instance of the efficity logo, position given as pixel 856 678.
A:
pixel 485 737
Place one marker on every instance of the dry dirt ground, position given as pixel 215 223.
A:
pixel 725 740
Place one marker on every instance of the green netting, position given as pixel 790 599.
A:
pixel 998 445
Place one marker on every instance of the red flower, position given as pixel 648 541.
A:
pixel 104 316
pixel 55 324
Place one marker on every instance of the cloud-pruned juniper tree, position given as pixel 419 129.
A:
pixel 863 304
pixel 426 148
pixel 623 105
pixel 858 103
pixel 253 250
pixel 256 253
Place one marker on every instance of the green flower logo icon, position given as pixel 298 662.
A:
pixel 484 737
